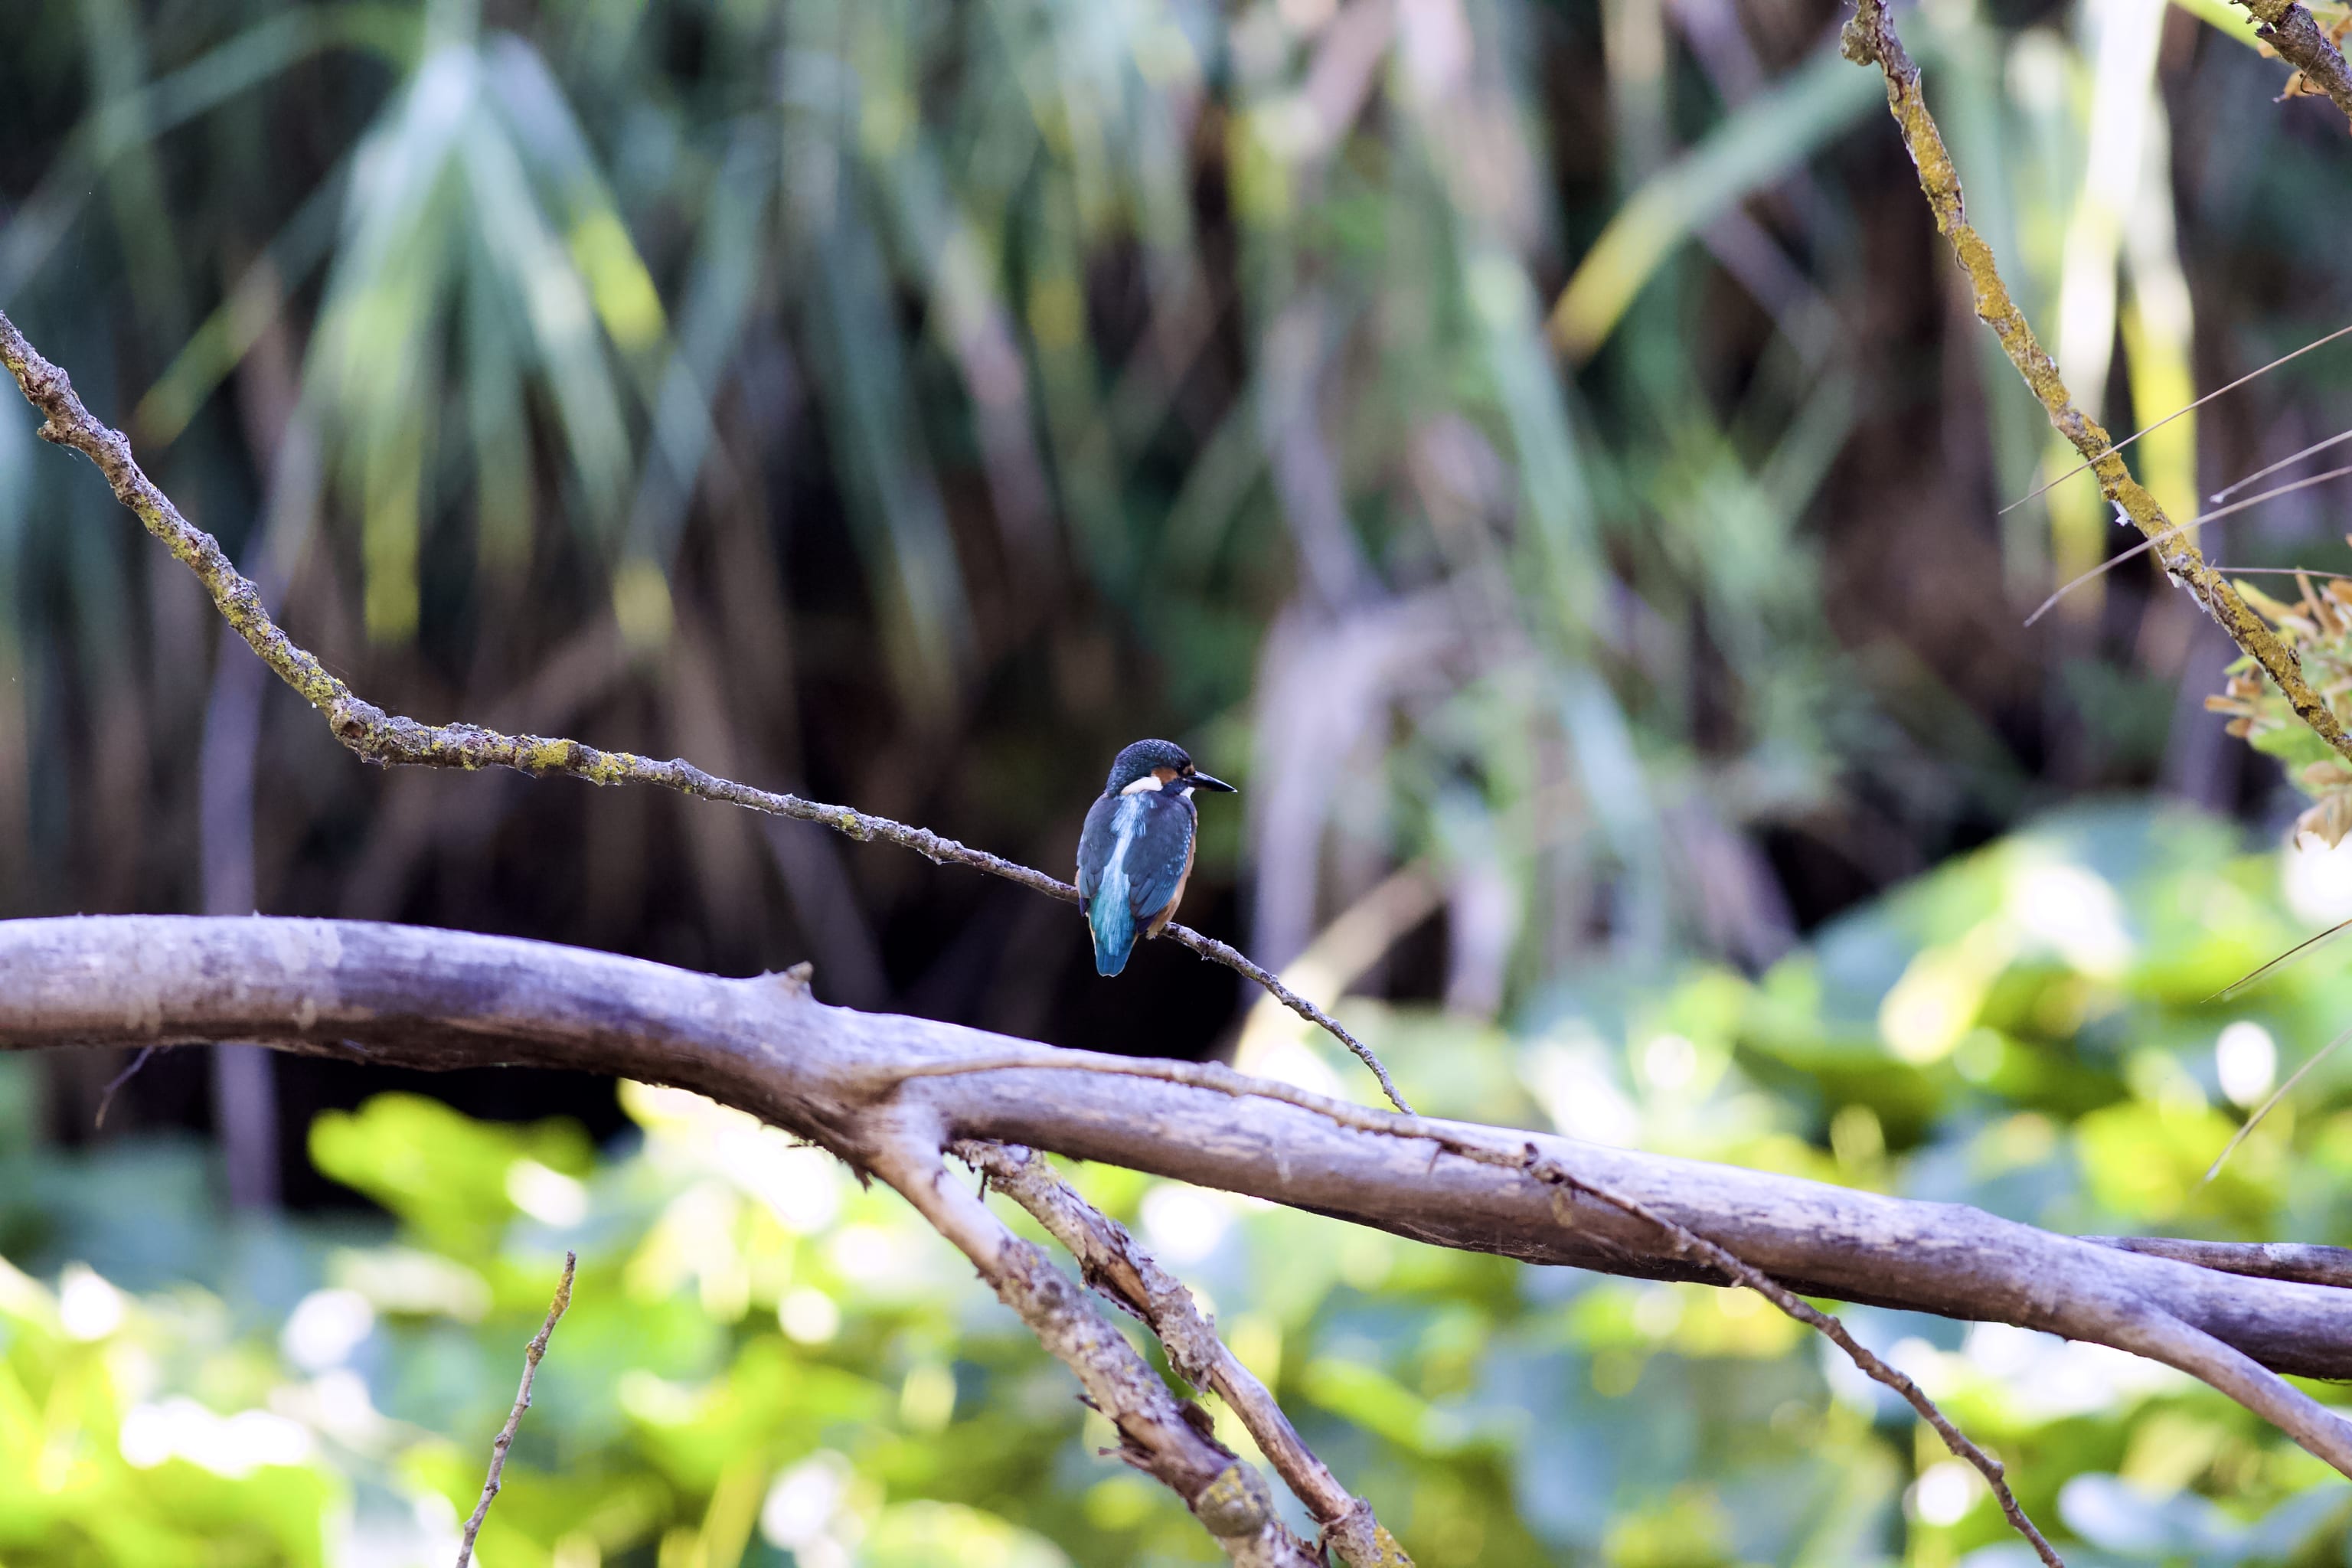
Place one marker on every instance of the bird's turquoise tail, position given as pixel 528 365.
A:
pixel 1113 923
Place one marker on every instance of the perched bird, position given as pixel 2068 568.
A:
pixel 1136 849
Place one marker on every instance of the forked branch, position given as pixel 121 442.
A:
pixel 887 1092
pixel 1172 1441
pixel 1112 1262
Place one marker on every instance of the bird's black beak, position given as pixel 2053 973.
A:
pixel 1202 781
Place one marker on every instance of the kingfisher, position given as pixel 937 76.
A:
pixel 1138 845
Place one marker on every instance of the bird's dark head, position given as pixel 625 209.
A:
pixel 1158 764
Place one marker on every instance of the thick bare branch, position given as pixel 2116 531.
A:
pixel 1170 1441
pixel 388 740
pixel 438 999
pixel 1870 39
pixel 1113 1263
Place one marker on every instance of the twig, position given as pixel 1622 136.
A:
pixel 1870 39
pixel 2254 1119
pixel 2176 530
pixel 1689 1242
pixel 2226 491
pixel 531 1353
pixel 1221 953
pixel 1170 1442
pixel 388 739
pixel 106 1095
pixel 1112 1261
pixel 2292 953
pixel 2190 408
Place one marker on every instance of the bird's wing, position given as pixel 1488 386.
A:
pixel 1095 846
pixel 1161 853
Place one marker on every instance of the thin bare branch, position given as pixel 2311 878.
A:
pixel 1870 39
pixel 1222 952
pixel 2269 966
pixel 531 1353
pixel 390 740
pixel 114 1085
pixel 1690 1244
pixel 1114 1263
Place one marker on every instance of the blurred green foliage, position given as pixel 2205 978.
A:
pixel 764 1363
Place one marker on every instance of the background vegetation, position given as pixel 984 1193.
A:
pixel 1537 449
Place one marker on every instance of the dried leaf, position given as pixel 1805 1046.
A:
pixel 2328 819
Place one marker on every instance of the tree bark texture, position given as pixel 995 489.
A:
pixel 436 999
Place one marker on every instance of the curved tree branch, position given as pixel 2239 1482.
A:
pixel 437 999
pixel 389 739
pixel 1170 1441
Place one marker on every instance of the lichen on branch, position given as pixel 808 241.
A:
pixel 1870 39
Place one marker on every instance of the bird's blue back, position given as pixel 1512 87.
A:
pixel 1133 858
